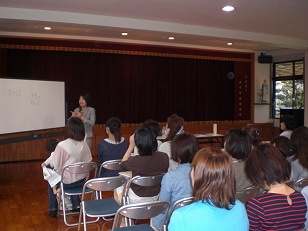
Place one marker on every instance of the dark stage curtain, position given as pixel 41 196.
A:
pixel 131 87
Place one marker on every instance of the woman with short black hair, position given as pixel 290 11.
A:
pixel 149 162
pixel 238 145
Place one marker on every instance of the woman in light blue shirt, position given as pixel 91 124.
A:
pixel 215 207
pixel 176 184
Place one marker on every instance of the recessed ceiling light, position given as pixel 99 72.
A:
pixel 124 33
pixel 47 28
pixel 229 44
pixel 228 8
pixel 171 38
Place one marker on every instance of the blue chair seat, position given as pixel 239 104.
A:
pixel 104 207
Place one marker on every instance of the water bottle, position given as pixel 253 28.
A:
pixel 163 131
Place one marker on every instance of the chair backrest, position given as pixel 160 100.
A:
pixel 104 184
pixel 147 180
pixel 246 194
pixel 144 181
pixel 144 210
pixel 178 204
pixel 302 183
pixel 80 168
pixel 110 165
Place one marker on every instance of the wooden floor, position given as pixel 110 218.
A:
pixel 24 201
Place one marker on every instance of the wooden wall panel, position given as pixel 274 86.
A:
pixel 35 149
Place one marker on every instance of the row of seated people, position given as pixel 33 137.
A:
pixel 178 182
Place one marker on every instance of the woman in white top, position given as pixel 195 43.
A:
pixel 175 126
pixel 72 150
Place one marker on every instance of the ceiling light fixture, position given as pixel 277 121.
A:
pixel 47 28
pixel 171 38
pixel 229 44
pixel 228 8
pixel 124 33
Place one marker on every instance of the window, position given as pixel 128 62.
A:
pixel 288 86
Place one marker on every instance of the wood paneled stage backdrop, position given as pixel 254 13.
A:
pixel 35 149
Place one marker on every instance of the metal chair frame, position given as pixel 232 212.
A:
pixel 144 210
pixel 178 204
pixel 76 168
pixel 99 206
pixel 302 183
pixel 246 194
pixel 110 165
pixel 145 181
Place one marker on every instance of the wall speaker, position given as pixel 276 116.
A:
pixel 265 59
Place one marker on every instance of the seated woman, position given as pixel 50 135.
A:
pixel 238 145
pixel 72 150
pixel 113 147
pixel 281 208
pixel 154 126
pixel 285 146
pixel 214 206
pixel 176 184
pixel 287 125
pixel 299 164
pixel 149 162
pixel 253 133
pixel 175 126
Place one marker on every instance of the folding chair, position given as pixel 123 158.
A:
pixel 178 204
pixel 302 183
pixel 139 211
pixel 246 194
pixel 100 207
pixel 81 168
pixel 145 181
pixel 110 165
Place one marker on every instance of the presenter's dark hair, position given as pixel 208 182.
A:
pixel 153 125
pixel 145 141
pixel 75 129
pixel 266 166
pixel 214 177
pixel 238 143
pixel 114 125
pixel 289 121
pixel 86 98
pixel 184 148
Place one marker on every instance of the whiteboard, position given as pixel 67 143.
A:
pixel 28 105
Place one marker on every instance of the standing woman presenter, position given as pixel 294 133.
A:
pixel 87 115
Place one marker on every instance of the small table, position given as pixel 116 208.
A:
pixel 210 138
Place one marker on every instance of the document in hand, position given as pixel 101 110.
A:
pixel 51 176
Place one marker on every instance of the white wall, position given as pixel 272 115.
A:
pixel 262 71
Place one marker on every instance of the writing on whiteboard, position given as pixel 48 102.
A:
pixel 14 93
pixel 34 99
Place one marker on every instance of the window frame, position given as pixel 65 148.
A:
pixel 293 77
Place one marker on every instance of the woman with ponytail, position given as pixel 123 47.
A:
pixel 113 147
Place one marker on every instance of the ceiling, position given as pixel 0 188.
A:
pixel 255 25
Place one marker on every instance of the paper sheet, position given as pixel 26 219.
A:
pixel 51 176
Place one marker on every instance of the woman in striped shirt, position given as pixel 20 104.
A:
pixel 281 207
